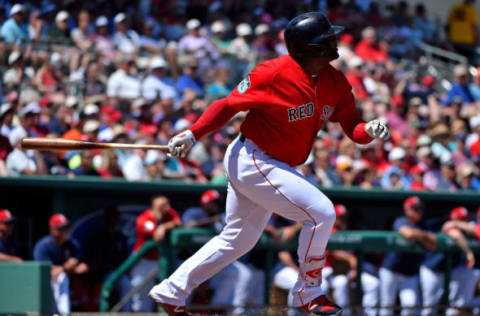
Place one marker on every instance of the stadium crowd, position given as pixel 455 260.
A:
pixel 143 73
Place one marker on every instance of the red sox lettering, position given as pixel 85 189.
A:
pixel 301 112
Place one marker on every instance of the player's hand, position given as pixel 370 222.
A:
pixel 180 144
pixel 377 129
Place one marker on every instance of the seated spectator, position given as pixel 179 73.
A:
pixel 6 119
pixel 196 45
pixel 219 89
pixel 103 42
pixel 135 167
pixel 125 40
pixel 396 158
pixel 153 223
pixel 399 271
pixel 190 79
pixel 422 23
pixel 368 49
pixel 48 77
pixel 355 77
pixel 86 167
pixel 80 35
pixel 460 88
pixel 8 246
pixel 59 33
pixel 467 177
pixel 15 30
pixel 240 46
pixel 220 39
pixel 64 255
pixel 149 43
pixel 124 83
pixel 18 73
pixel 157 85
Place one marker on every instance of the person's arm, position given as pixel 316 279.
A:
pixel 216 115
pixel 7 257
pixel 466 227
pixel 427 239
pixel 461 241
pixel 286 258
pixel 350 259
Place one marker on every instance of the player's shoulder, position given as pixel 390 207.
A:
pixel 337 75
pixel 145 215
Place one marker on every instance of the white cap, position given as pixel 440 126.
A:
pixel 31 107
pixel 16 135
pixel 181 124
pixel 158 62
pixel 243 29
pixel 396 153
pixel 261 29
pixel 71 101
pixel 16 8
pixel 139 103
pixel 423 152
pixel 218 27
pixel 62 15
pixel 355 61
pixel 14 56
pixel 4 108
pixel 55 58
pixel 120 17
pixel 193 24
pixel 101 21
pixel 91 126
pixel 424 140
pixel 474 121
pixel 90 109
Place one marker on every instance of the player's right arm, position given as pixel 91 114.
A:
pixel 249 93
pixel 427 239
pixel 461 241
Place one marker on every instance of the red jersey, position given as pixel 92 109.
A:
pixel 146 226
pixel 287 107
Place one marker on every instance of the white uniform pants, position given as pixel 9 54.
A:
pixel 259 185
pixel 371 294
pixel 407 287
pixel 61 293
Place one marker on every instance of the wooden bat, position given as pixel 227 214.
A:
pixel 70 144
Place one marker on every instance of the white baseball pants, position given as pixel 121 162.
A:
pixel 371 294
pixel 140 300
pixel 407 287
pixel 61 293
pixel 259 185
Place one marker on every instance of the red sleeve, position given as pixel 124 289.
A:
pixel 173 216
pixel 347 115
pixel 145 226
pixel 216 115
pixel 477 231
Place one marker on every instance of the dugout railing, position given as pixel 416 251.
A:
pixel 360 242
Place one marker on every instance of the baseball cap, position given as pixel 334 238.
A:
pixel 6 216
pixel 14 56
pixel 340 210
pixel 193 24
pixel 120 17
pixel 417 169
pixel 424 140
pixel 90 109
pixel 243 29
pixel 101 21
pixel 460 70
pixel 423 152
pixel 4 108
pixel 62 15
pixel 58 220
pixel 412 202
pixel 459 212
pixel 346 39
pixel 396 154
pixel 158 62
pixel 30 108
pixel 261 29
pixel 209 196
pixel 91 126
pixel 218 27
pixel 71 101
pixel 355 61
pixel 139 103
pixel 474 121
pixel 16 8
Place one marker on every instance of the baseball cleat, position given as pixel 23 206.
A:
pixel 322 306
pixel 173 310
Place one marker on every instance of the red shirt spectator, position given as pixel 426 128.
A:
pixel 154 223
pixel 367 48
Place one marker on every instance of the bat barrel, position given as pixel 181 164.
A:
pixel 56 144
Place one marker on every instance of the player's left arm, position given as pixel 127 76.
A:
pixel 461 241
pixel 352 124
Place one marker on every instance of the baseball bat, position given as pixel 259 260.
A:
pixel 70 144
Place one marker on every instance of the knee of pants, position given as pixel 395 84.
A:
pixel 340 281
pixel 323 212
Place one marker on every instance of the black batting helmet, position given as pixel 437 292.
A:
pixel 306 34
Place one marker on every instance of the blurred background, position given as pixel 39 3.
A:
pixel 142 71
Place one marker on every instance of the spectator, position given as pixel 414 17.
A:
pixel 60 34
pixel 149 44
pixel 8 246
pixel 355 77
pixel 48 77
pixel 423 24
pixel 467 177
pixel 219 88
pixel 460 88
pixel 106 250
pixel 6 119
pixel 232 283
pixel 14 30
pixel 462 27
pixel 103 42
pixel 396 158
pixel 399 271
pixel 64 255
pixel 135 167
pixel 125 40
pixel 368 49
pixel 154 223
pixel 18 73
pixel 240 46
pixel 86 167
pixel 80 35
pixel 219 39
pixel 190 79
pixel 156 85
pixel 124 83
pixel 196 45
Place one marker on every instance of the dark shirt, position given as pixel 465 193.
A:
pixel 46 249
pixel 79 171
pixel 406 263
pixel 8 246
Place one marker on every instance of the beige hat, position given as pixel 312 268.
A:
pixel 90 109
pixel 355 61
pixel 91 126
pixel 460 70
pixel 218 27
pixel 13 57
pixel 261 29
pixel 71 101
pixel 193 24
pixel 243 29
pixel 423 152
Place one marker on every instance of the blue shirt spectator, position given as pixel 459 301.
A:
pixel 14 30
pixel 459 92
pixel 46 249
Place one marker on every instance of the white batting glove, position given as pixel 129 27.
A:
pixel 377 129
pixel 180 144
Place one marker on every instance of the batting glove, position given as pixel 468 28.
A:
pixel 180 144
pixel 377 129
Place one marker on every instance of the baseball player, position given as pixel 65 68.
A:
pixel 289 99
pixel 433 266
pixel 399 271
